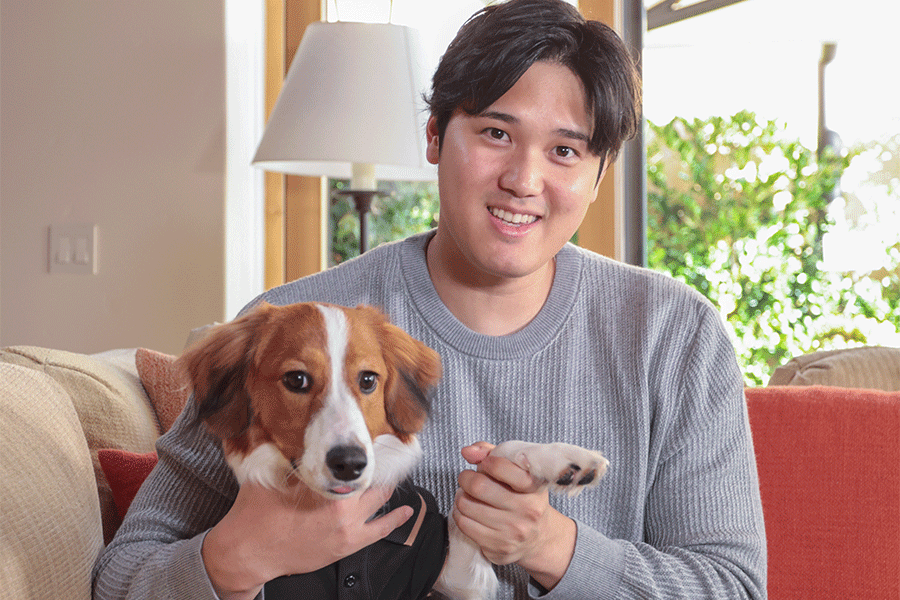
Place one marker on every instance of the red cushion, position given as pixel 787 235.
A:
pixel 125 472
pixel 829 470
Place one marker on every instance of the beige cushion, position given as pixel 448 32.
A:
pixel 50 530
pixel 873 367
pixel 113 408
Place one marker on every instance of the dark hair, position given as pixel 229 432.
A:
pixel 495 47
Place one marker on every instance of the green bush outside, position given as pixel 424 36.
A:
pixel 738 210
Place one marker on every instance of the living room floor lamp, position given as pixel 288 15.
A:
pixel 351 107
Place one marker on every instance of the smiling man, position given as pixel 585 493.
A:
pixel 540 341
pixel 515 183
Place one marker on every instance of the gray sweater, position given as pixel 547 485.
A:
pixel 619 359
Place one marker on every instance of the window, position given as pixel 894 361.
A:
pixel 732 101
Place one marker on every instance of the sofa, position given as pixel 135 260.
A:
pixel 78 436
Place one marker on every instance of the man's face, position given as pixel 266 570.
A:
pixel 516 180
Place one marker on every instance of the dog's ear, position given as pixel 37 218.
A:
pixel 218 367
pixel 414 371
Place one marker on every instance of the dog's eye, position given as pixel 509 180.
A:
pixel 368 381
pixel 297 381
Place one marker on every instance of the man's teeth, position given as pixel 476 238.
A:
pixel 513 218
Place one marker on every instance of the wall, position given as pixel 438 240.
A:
pixel 113 113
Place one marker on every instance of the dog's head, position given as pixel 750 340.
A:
pixel 329 395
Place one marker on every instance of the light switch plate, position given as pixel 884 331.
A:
pixel 72 248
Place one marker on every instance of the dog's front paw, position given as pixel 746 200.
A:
pixel 566 468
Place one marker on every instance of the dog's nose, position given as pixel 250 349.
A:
pixel 346 462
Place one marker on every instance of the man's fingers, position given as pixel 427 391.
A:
pixel 509 474
pixel 373 499
pixel 477 510
pixel 476 452
pixel 481 528
pixel 380 527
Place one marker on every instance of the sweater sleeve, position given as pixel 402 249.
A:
pixel 156 551
pixel 704 534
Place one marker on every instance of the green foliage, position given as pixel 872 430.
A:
pixel 738 211
pixel 405 209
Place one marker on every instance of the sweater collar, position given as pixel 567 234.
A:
pixel 525 342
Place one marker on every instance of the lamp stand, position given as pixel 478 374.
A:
pixel 362 199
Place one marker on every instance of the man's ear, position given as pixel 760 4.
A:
pixel 433 149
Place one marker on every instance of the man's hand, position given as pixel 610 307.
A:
pixel 268 533
pixel 507 513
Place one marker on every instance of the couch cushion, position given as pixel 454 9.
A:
pixel 829 471
pixel 113 410
pixel 167 387
pixel 125 471
pixel 875 367
pixel 51 527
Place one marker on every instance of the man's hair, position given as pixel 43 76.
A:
pixel 495 47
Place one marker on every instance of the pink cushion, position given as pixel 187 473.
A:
pixel 167 387
pixel 829 470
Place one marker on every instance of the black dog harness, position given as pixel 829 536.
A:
pixel 402 566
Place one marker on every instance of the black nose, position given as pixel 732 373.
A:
pixel 346 462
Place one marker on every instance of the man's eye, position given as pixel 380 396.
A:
pixel 565 152
pixel 497 134
pixel 368 381
pixel 297 381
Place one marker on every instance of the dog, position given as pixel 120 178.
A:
pixel 331 399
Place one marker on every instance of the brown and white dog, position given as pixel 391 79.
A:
pixel 333 398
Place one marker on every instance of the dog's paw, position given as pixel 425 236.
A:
pixel 566 468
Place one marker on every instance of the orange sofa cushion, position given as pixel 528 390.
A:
pixel 829 470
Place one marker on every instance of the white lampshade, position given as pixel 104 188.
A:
pixel 352 97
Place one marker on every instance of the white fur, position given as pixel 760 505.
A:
pixel 340 422
pixel 467 574
pixel 266 466
pixel 394 460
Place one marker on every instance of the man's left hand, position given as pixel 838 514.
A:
pixel 504 510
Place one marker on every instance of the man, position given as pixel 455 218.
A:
pixel 539 341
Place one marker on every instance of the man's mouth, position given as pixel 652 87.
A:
pixel 510 218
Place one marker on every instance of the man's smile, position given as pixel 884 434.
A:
pixel 512 218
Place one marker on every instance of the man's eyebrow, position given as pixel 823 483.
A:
pixel 500 116
pixel 564 132
pixel 579 136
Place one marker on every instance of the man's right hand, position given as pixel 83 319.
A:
pixel 268 533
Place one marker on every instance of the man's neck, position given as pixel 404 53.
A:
pixel 486 305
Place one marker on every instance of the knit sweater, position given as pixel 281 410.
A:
pixel 619 359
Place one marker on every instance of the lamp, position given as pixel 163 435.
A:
pixel 350 107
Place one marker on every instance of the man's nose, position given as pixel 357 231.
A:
pixel 523 173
